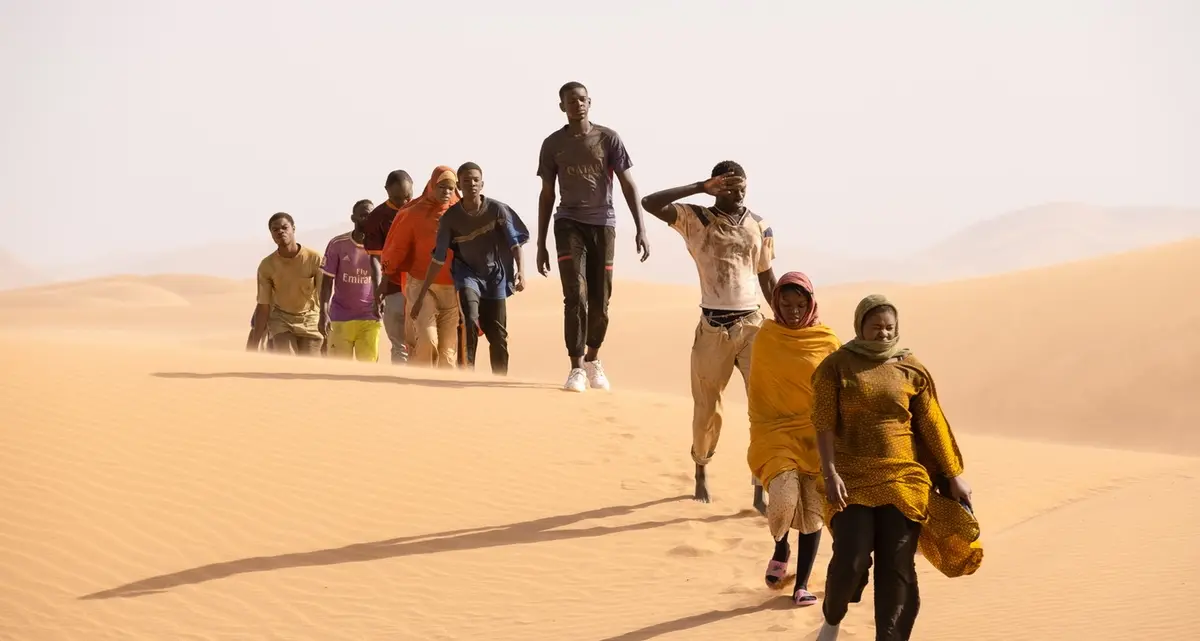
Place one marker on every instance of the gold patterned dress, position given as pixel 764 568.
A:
pixel 890 438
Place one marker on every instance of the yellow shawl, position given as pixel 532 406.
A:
pixel 782 361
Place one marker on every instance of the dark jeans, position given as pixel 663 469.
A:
pixel 857 532
pixel 492 317
pixel 585 259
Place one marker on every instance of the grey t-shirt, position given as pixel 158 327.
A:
pixel 584 166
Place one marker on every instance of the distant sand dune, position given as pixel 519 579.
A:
pixel 161 484
pixel 1035 236
pixel 1095 351
pixel 102 292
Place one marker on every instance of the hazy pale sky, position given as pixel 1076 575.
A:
pixel 139 125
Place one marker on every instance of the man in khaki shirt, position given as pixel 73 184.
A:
pixel 733 249
pixel 289 284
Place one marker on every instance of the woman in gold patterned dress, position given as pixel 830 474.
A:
pixel 885 445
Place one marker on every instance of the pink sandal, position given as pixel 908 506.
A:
pixel 776 571
pixel 803 598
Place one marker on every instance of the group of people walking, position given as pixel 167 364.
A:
pixel 339 302
pixel 849 436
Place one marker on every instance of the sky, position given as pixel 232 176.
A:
pixel 866 128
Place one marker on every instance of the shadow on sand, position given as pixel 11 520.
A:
pixel 361 378
pixel 702 619
pixel 535 531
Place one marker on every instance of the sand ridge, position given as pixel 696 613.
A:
pixel 164 485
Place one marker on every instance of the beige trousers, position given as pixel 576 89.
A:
pixel 716 351
pixel 795 502
pixel 435 330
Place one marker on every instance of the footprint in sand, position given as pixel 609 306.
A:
pixel 689 551
pixel 741 589
pixel 731 543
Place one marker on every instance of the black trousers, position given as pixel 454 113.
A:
pixel 585 260
pixel 492 317
pixel 857 532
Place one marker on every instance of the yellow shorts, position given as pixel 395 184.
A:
pixel 358 339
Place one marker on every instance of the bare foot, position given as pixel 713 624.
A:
pixel 759 503
pixel 701 485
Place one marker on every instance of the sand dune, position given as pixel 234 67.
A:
pixel 1094 351
pixel 160 484
pixel 1049 234
pixel 1033 237
pixel 228 259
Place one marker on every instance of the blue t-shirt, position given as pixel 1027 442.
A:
pixel 482 244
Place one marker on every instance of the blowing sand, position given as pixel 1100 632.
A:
pixel 160 484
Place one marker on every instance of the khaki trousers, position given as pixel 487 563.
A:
pixel 796 502
pixel 435 330
pixel 716 351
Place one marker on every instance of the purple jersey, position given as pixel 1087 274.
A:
pixel 349 265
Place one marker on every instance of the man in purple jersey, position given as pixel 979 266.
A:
pixel 348 298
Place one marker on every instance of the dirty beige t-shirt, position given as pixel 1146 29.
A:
pixel 292 287
pixel 729 256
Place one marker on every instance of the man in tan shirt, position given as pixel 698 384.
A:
pixel 289 284
pixel 733 249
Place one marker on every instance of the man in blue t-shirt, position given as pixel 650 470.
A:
pixel 486 236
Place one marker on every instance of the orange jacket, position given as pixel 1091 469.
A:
pixel 410 241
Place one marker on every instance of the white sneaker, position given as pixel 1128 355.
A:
pixel 576 381
pixel 595 375
pixel 828 632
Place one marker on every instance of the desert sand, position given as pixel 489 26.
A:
pixel 159 483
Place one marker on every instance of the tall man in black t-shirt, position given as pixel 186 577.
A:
pixel 582 158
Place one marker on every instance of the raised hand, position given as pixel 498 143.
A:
pixel 724 183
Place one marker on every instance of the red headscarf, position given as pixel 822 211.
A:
pixel 410 240
pixel 800 280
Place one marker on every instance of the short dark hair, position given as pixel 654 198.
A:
pixel 397 176
pixel 364 200
pixel 570 86
pixel 468 166
pixel 727 166
pixel 278 216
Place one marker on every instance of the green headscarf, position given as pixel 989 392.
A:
pixel 875 350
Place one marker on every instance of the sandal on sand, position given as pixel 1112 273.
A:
pixel 804 598
pixel 776 571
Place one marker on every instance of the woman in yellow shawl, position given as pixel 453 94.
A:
pixel 885 446
pixel 783 444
